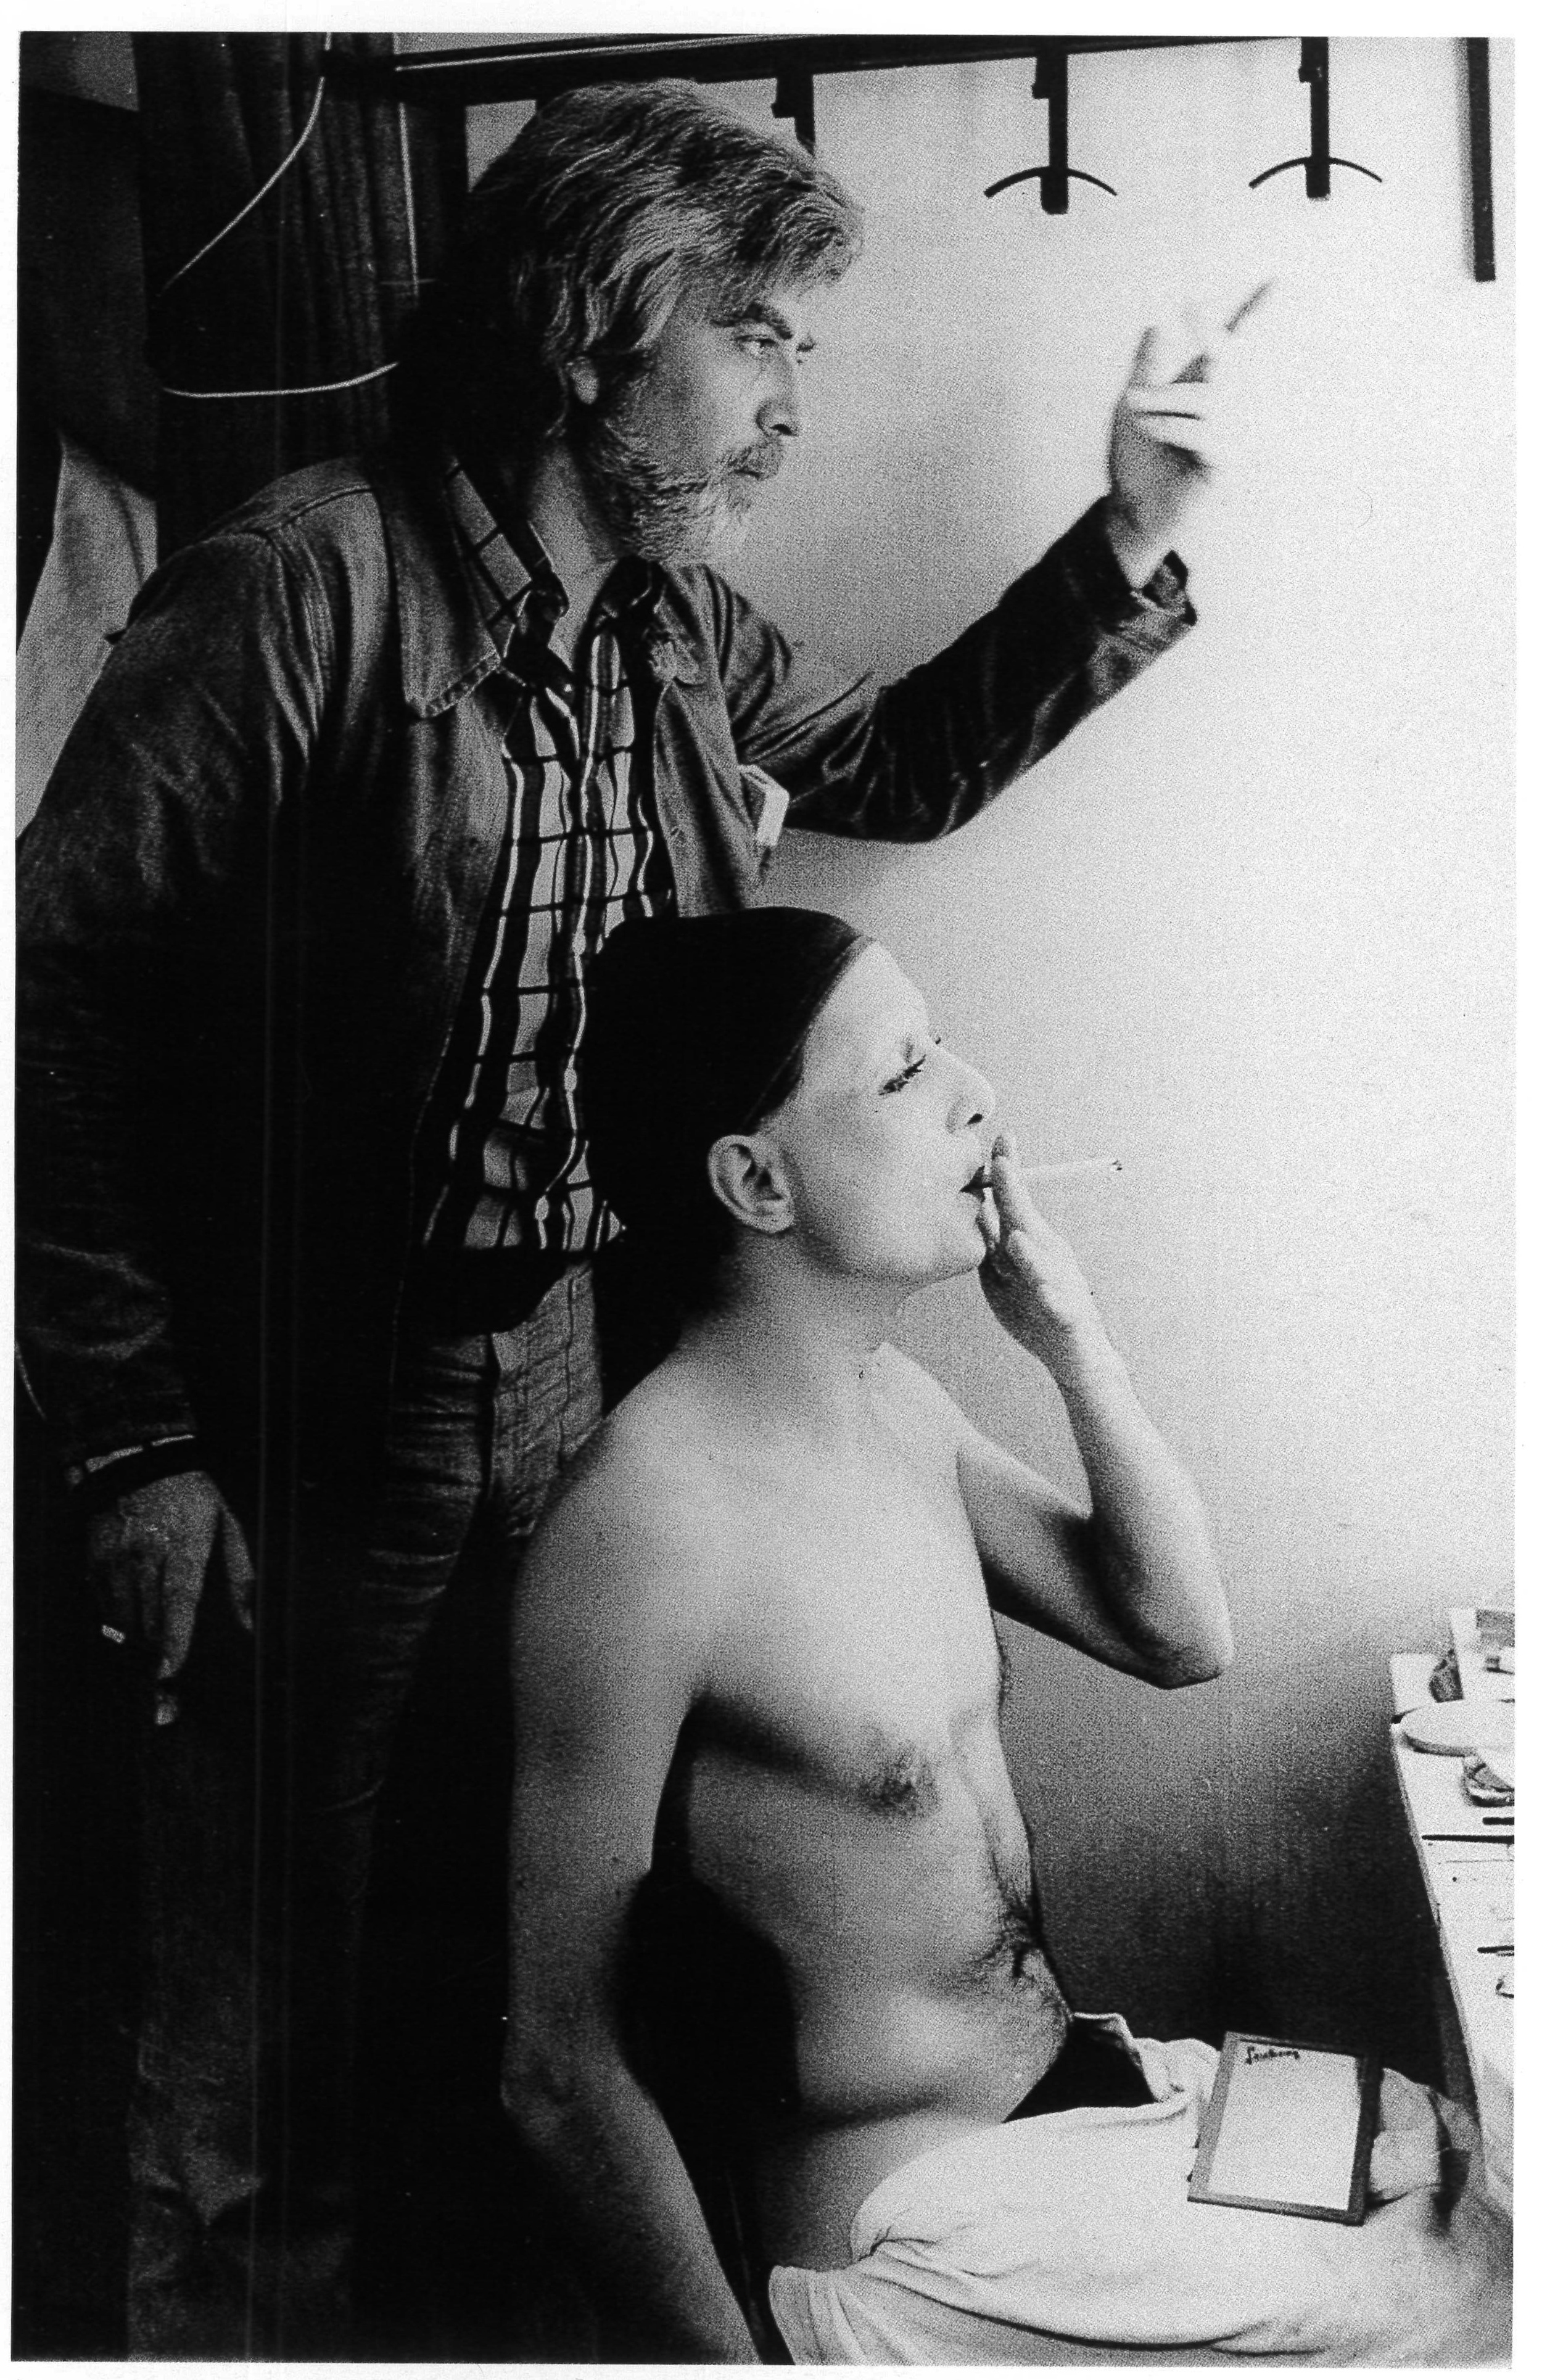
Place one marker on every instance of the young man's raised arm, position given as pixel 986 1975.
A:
pixel 1132 1581
pixel 607 1648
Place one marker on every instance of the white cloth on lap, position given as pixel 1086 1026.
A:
pixel 1071 2238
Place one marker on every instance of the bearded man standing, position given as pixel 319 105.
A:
pixel 308 1241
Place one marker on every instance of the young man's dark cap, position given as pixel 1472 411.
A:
pixel 696 1028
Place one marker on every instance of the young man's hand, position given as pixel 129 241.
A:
pixel 1031 1278
pixel 1168 435
pixel 151 1554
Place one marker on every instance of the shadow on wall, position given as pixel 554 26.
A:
pixel 1299 1908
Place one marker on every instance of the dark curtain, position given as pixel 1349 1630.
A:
pixel 309 288
pixel 81 321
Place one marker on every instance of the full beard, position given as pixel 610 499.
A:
pixel 660 515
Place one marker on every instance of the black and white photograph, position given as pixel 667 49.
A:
pixel 764 1497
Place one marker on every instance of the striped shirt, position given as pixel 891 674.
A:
pixel 581 849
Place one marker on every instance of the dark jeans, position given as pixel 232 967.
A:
pixel 258 1812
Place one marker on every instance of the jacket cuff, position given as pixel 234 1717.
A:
pixel 1153 612
pixel 102 1478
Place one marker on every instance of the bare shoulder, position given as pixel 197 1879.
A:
pixel 634 1530
pixel 616 1629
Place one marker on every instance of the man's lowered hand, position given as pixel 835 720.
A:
pixel 150 1553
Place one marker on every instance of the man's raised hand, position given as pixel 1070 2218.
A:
pixel 1168 434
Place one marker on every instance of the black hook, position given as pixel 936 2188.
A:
pixel 795 97
pixel 1049 82
pixel 1313 71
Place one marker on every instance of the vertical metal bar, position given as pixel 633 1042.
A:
pixel 1051 83
pixel 1480 134
pixel 1314 73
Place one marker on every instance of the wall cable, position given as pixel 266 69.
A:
pixel 317 388
pixel 407 188
pixel 256 199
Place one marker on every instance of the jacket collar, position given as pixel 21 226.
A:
pixel 447 648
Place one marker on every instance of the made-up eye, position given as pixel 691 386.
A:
pixel 908 1074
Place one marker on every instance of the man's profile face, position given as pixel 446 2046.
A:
pixel 674 464
pixel 886 1137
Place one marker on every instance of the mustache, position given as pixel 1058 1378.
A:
pixel 620 454
pixel 762 461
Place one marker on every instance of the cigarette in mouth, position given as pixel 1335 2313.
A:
pixel 1073 1166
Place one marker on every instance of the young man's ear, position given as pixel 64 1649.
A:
pixel 746 1173
pixel 584 381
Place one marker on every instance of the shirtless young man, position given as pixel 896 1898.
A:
pixel 755 1662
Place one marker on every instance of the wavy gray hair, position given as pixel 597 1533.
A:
pixel 579 241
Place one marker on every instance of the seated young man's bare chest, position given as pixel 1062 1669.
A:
pixel 842 1796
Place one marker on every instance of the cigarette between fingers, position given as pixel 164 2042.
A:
pixel 1254 299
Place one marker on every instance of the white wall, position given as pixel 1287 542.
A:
pixel 1250 930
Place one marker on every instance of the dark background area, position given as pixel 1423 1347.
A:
pixel 454 2262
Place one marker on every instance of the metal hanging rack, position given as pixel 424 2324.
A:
pixel 539 69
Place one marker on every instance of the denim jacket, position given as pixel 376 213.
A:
pixel 248 903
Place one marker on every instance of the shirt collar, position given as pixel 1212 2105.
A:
pixel 516 586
